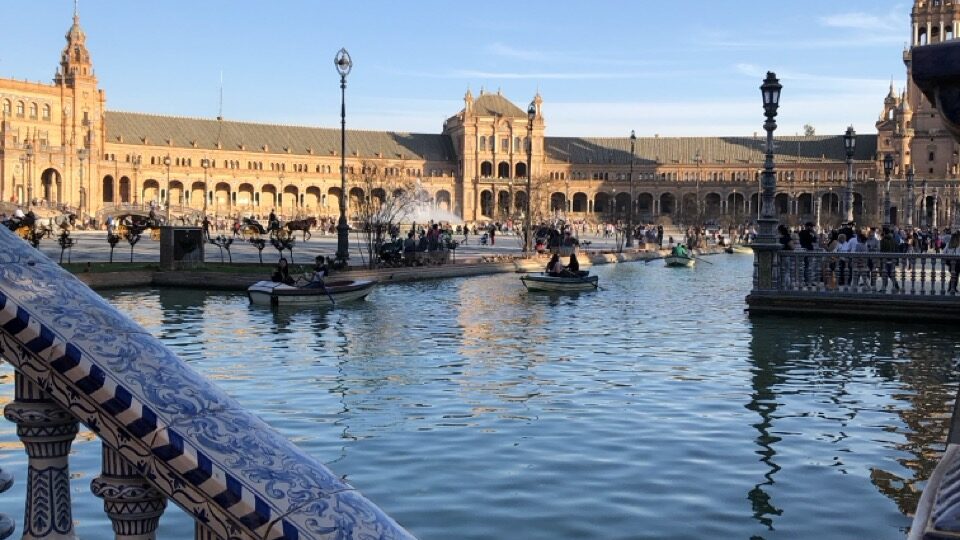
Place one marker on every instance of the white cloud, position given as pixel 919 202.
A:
pixel 504 50
pixel 867 22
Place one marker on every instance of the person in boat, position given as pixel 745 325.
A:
pixel 319 272
pixel 555 267
pixel 680 250
pixel 282 273
pixel 573 268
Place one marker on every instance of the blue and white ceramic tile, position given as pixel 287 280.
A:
pixel 196 444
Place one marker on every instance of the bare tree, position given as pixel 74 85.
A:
pixel 809 130
pixel 387 200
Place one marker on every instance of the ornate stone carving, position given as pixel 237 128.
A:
pixel 47 433
pixel 7 525
pixel 133 505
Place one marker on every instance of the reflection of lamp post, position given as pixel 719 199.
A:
pixel 166 162
pixel 850 145
pixel 205 163
pixel 527 232
pixel 344 66
pixel 910 196
pixel 887 169
pixel 633 144
pixel 770 89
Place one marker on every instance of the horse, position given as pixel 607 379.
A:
pixel 63 222
pixel 301 225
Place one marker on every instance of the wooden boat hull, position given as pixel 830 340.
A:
pixel 679 262
pixel 269 293
pixel 543 283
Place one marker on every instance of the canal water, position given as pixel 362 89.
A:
pixel 654 408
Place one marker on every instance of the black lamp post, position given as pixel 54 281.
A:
pixel 887 169
pixel 344 65
pixel 770 90
pixel 850 145
pixel 911 185
pixel 698 159
pixel 527 227
pixel 205 163
pixel 166 162
pixel 923 203
pixel 633 146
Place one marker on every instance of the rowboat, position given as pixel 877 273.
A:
pixel 548 283
pixel 680 261
pixel 271 293
pixel 740 249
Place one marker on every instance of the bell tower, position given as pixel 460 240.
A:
pixel 76 67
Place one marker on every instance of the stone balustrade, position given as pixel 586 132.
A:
pixel 168 434
pixel 888 285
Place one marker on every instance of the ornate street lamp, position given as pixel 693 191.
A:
pixel 770 90
pixel 205 163
pixel 923 203
pixel 910 195
pixel 850 145
pixel 344 65
pixel 633 146
pixel 527 226
pixel 166 162
pixel 887 169
pixel 84 193
pixel 698 159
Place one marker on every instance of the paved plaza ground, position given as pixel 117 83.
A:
pixel 92 246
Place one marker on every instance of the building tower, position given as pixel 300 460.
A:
pixel 932 151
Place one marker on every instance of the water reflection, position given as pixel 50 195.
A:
pixel 795 359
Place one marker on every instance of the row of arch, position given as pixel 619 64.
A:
pixel 712 204
pixel 503 170
pixel 22 107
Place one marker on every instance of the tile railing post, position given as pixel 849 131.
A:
pixel 133 505
pixel 47 431
pixel 7 525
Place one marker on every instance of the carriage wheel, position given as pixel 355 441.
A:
pixel 281 234
pixel 155 233
pixel 121 230
pixel 249 232
pixel 23 232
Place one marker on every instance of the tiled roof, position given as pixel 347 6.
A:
pixel 495 104
pixel 712 150
pixel 131 128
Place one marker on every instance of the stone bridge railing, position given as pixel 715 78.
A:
pixel 889 285
pixel 168 433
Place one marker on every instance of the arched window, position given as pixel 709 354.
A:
pixel 33 111
pixel 7 107
pixel 483 143
pixel 20 109
pixel 46 112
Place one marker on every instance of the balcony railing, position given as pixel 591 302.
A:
pixel 168 433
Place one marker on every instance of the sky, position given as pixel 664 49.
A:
pixel 603 68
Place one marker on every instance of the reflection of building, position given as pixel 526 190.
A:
pixel 476 167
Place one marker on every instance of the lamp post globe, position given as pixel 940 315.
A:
pixel 630 226
pixel 344 65
pixel 850 145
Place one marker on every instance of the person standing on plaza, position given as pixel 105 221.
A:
pixel 660 236
pixel 493 235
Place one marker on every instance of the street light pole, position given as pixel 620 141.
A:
pixel 84 194
pixel 205 163
pixel 633 145
pixel 527 227
pixel 166 161
pixel 344 66
pixel 698 159
pixel 850 144
pixel 923 203
pixel 770 89
pixel 910 196
pixel 887 169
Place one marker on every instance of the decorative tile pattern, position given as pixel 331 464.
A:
pixel 189 439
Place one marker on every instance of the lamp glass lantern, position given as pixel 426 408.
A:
pixel 850 140
pixel 343 62
pixel 770 89
pixel 888 164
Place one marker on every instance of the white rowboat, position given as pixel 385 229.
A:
pixel 679 261
pixel 546 283
pixel 271 293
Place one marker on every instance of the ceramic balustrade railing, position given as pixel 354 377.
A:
pixel 7 525
pixel 167 432
pixel 891 274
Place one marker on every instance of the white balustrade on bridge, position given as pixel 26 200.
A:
pixel 899 275
pixel 168 433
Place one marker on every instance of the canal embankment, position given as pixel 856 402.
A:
pixel 241 276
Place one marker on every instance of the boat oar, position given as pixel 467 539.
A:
pixel 704 260
pixel 330 296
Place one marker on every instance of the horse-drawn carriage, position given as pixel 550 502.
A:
pixel 250 228
pixel 137 224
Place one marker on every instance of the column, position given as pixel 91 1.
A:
pixel 47 432
pixel 133 505
pixel 7 525
pixel 940 39
pixel 929 31
pixel 916 34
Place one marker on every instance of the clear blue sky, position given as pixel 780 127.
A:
pixel 603 67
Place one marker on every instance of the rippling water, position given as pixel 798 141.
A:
pixel 654 408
